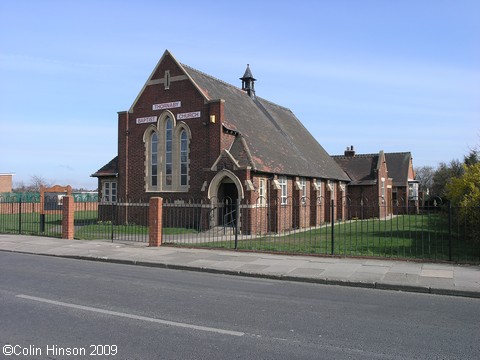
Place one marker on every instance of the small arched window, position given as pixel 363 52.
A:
pixel 183 158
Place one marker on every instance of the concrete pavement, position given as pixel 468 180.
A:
pixel 433 278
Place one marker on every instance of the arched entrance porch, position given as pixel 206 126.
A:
pixel 224 192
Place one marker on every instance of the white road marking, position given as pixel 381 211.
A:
pixel 131 316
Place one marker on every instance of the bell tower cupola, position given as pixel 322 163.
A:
pixel 248 82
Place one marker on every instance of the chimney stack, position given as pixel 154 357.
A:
pixel 349 151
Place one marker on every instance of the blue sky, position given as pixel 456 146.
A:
pixel 378 75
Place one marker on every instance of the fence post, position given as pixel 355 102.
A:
pixel 333 225
pixel 155 221
pixel 113 208
pixel 237 219
pixel 68 214
pixel 42 223
pixel 20 215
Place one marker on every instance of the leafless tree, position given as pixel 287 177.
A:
pixel 37 181
pixel 425 175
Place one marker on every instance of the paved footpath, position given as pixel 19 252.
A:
pixel 434 278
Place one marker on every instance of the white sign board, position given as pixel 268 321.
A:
pixel 147 120
pixel 169 105
pixel 189 115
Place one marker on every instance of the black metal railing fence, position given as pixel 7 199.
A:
pixel 438 232
pixel 434 231
pixel 119 221
pixel 21 213
pixel 115 221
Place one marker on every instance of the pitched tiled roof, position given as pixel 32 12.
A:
pixel 274 140
pixel 398 165
pixel 110 169
pixel 360 168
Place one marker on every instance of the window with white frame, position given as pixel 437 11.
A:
pixel 282 181
pixel 331 186
pixel 318 188
pixel 383 188
pixel 303 190
pixel 109 192
pixel 262 199
pixel 413 190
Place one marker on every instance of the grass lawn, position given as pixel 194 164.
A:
pixel 88 228
pixel 104 231
pixel 29 224
pixel 405 236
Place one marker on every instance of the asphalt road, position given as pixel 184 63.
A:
pixel 54 308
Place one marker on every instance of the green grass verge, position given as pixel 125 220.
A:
pixel 407 236
pixel 29 224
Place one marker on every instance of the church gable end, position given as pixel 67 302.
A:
pixel 162 138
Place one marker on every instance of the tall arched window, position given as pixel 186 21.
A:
pixel 154 159
pixel 168 152
pixel 167 155
pixel 183 158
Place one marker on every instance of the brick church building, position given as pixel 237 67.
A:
pixel 189 136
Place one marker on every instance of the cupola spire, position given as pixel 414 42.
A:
pixel 248 82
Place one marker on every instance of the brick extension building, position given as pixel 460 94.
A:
pixel 189 136
pixel 404 187
pixel 370 189
pixel 5 183
pixel 383 183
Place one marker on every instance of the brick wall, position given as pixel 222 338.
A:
pixel 5 183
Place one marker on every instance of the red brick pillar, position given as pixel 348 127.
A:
pixel 155 221
pixel 68 214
